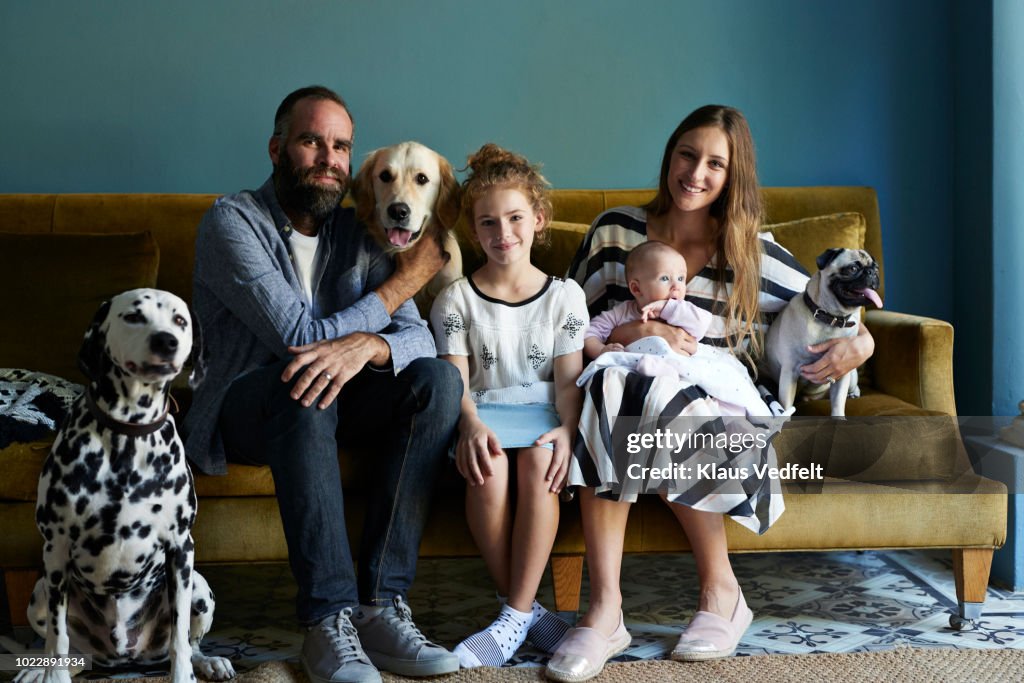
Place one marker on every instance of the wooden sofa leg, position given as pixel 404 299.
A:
pixel 567 575
pixel 20 583
pixel 971 568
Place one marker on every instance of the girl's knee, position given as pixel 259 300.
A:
pixel 495 486
pixel 532 465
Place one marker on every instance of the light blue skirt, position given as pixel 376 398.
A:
pixel 517 425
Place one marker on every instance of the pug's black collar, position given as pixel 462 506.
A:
pixel 824 316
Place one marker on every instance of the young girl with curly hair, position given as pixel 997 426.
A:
pixel 516 335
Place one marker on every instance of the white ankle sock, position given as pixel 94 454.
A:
pixel 547 629
pixel 496 644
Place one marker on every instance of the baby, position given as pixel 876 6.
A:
pixel 656 274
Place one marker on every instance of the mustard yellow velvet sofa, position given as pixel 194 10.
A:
pixel 62 254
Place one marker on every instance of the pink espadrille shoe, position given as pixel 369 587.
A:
pixel 584 652
pixel 709 636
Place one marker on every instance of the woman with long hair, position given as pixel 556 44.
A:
pixel 708 207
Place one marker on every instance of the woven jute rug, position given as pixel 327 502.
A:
pixel 901 664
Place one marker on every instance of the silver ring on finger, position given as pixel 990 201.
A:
pixel 329 378
pixel 831 380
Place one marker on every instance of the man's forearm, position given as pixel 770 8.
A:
pixel 413 270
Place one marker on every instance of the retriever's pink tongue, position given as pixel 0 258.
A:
pixel 873 295
pixel 399 237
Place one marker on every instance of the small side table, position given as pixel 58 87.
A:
pixel 1004 462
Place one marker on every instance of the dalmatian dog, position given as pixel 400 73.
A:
pixel 116 505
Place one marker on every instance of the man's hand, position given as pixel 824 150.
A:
pixel 330 364
pixel 679 339
pixel 414 268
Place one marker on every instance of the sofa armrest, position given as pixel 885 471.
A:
pixel 913 359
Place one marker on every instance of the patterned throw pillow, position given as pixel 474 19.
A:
pixel 33 404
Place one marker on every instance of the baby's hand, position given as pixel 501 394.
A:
pixel 652 310
pixel 612 348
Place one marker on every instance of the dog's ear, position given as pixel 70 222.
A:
pixel 198 356
pixel 362 189
pixel 90 356
pixel 448 198
pixel 827 257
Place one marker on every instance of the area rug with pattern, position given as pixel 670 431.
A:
pixel 900 664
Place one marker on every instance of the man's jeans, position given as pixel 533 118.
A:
pixel 401 427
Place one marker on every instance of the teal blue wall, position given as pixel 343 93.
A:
pixel 972 217
pixel 1008 236
pixel 1008 205
pixel 127 96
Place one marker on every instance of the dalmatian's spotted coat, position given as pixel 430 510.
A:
pixel 116 506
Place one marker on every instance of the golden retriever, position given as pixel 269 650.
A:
pixel 405 193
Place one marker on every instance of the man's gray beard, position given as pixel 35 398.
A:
pixel 296 192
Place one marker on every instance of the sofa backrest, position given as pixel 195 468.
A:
pixel 172 218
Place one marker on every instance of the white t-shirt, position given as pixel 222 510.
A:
pixel 511 346
pixel 304 251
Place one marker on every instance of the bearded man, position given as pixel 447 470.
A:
pixel 313 341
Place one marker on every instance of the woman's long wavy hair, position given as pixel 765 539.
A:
pixel 738 214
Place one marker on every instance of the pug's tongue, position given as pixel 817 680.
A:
pixel 872 295
pixel 399 237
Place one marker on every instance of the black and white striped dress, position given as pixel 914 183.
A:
pixel 618 402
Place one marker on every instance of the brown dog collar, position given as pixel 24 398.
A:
pixel 125 428
pixel 821 315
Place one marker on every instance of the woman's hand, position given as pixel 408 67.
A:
pixel 841 355
pixel 561 439
pixel 476 446
pixel 679 339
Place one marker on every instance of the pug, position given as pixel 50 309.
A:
pixel 829 308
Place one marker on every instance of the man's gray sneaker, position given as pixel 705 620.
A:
pixel 331 652
pixel 394 644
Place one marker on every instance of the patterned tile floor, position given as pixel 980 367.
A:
pixel 802 603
